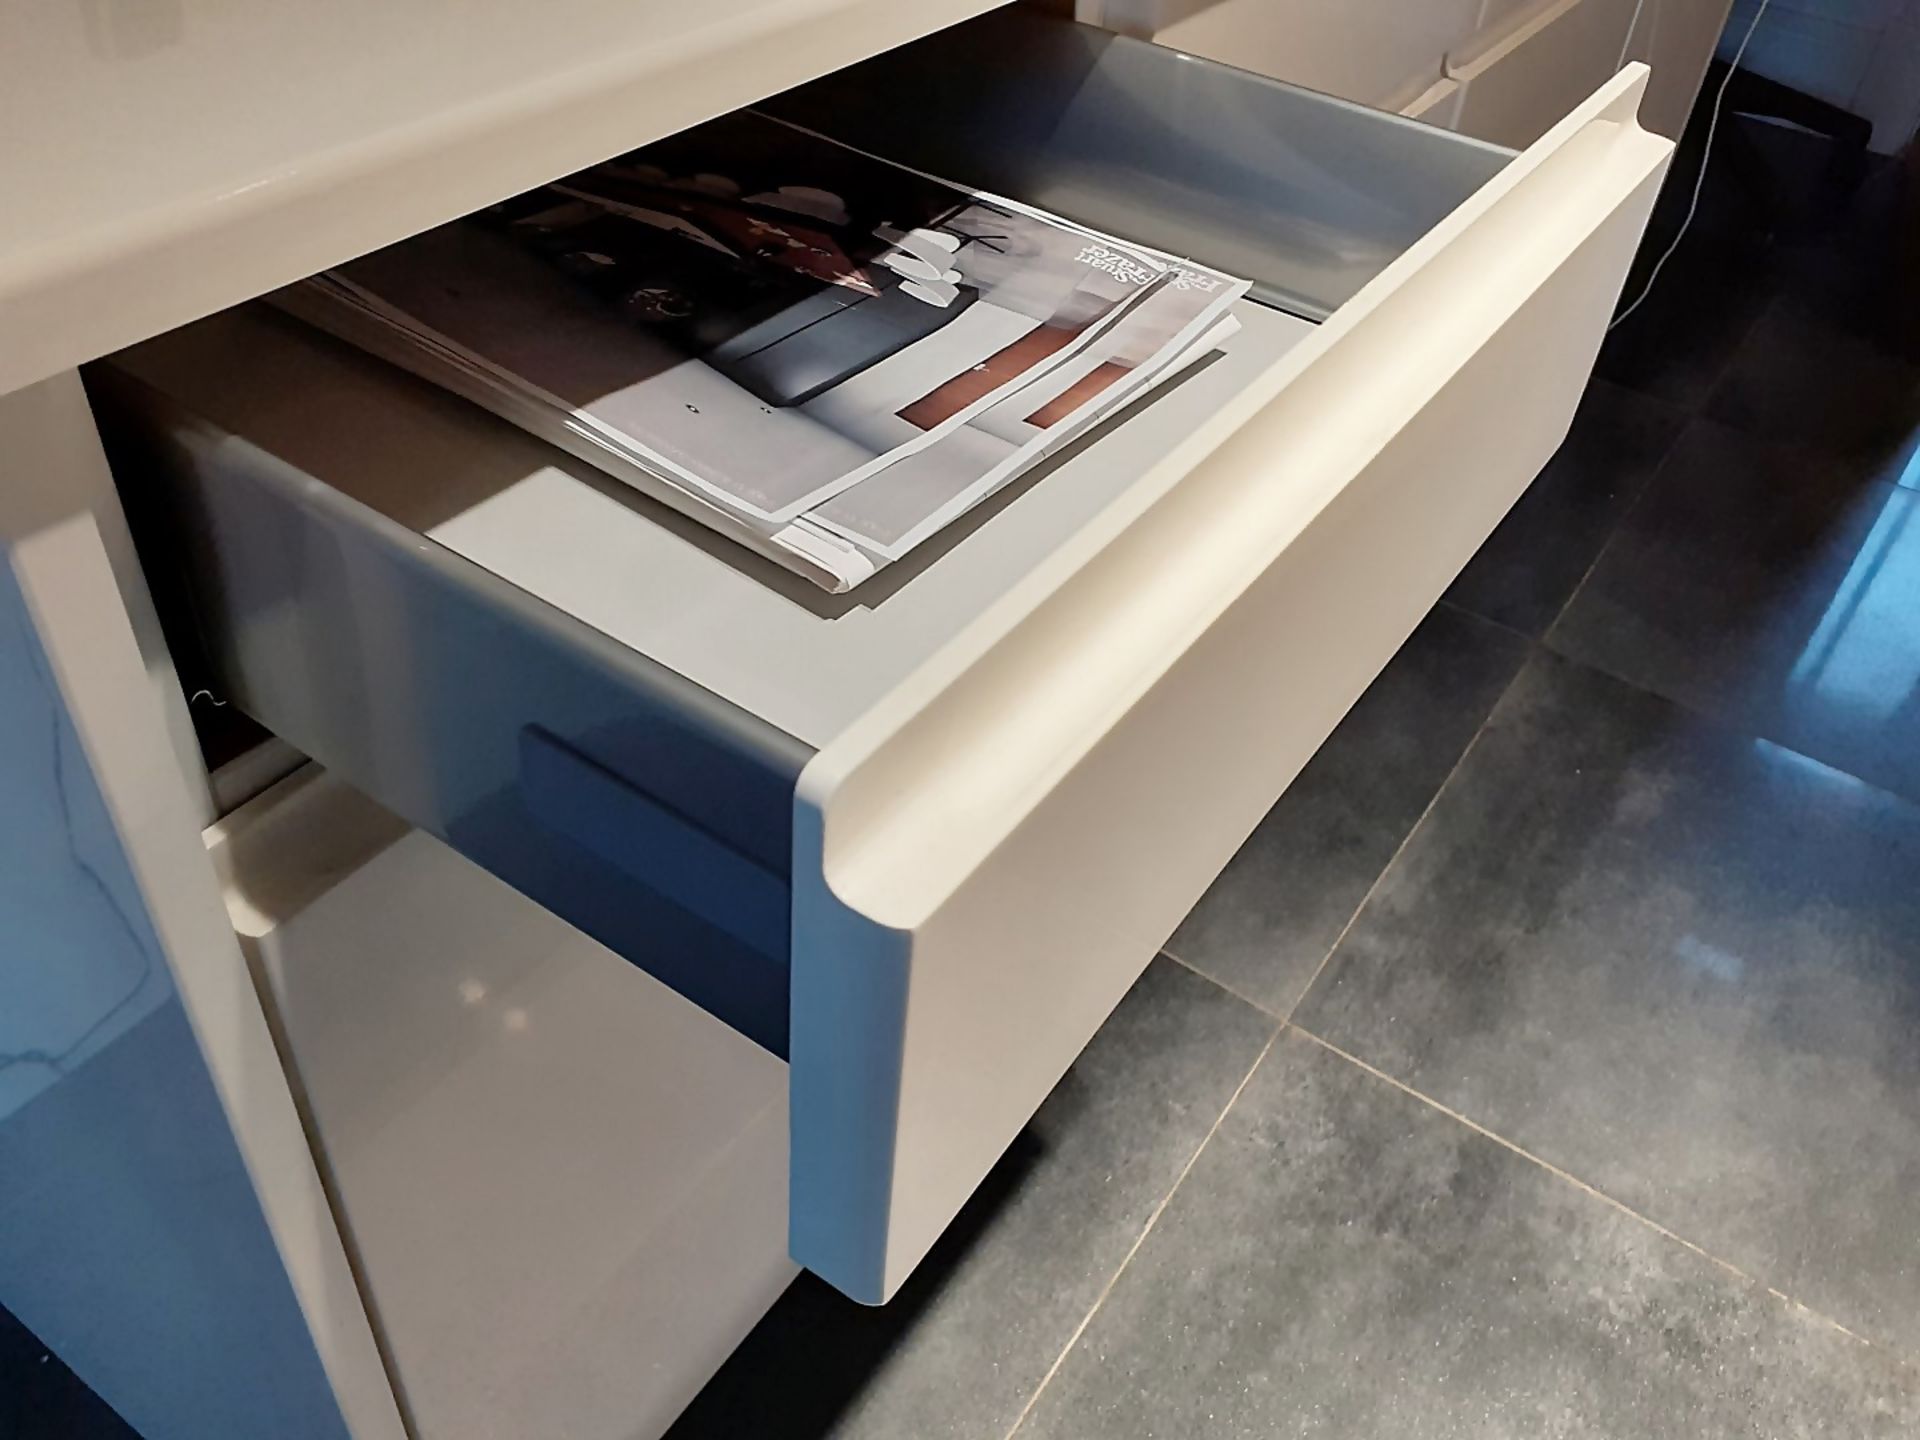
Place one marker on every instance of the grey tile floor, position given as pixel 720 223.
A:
pixel 1544 1064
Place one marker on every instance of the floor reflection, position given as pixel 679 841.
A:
pixel 1863 658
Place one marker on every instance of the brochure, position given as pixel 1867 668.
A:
pixel 825 355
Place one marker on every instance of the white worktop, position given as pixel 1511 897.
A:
pixel 161 159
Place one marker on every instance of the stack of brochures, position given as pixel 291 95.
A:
pixel 822 355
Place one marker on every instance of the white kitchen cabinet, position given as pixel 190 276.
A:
pixel 915 841
pixel 920 841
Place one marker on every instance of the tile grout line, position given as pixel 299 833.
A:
pixel 1219 984
pixel 1407 839
pixel 1727 726
pixel 1532 643
pixel 1774 299
pixel 1146 1230
pixel 1724 723
pixel 1696 414
pixel 1693 417
pixel 1474 615
pixel 1597 1193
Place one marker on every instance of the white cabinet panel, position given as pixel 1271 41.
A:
pixel 566 1185
pixel 161 1222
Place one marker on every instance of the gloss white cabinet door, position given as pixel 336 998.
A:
pixel 565 1184
pixel 162 1225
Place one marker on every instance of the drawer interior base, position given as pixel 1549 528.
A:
pixel 610 559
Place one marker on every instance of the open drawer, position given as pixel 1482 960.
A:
pixel 921 838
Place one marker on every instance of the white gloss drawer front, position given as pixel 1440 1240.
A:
pixel 983 794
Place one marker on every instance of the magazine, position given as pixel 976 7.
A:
pixel 913 498
pixel 825 355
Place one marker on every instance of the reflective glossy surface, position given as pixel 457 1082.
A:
pixel 1776 588
pixel 566 1185
pixel 1679 962
pixel 125 1207
pixel 1541 552
pixel 1346 1261
pixel 1802 378
pixel 1266 924
pixel 956 1354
